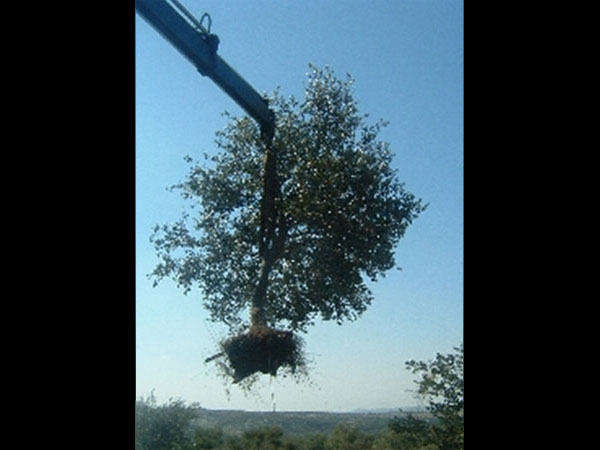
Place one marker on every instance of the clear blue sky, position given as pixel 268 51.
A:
pixel 406 57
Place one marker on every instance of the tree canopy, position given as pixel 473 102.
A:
pixel 441 382
pixel 339 210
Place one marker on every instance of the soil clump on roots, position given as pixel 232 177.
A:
pixel 262 349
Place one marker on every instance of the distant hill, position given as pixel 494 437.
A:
pixel 404 409
pixel 297 423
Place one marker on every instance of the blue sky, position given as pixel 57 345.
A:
pixel 406 57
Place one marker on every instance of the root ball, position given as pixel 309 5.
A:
pixel 262 349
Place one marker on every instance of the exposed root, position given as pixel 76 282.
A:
pixel 261 349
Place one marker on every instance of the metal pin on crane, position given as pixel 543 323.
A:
pixel 199 46
pixel 192 19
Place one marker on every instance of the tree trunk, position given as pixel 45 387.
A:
pixel 272 236
pixel 257 311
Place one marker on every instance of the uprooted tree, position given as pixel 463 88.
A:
pixel 281 232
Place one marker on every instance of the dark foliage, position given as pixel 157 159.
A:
pixel 442 384
pixel 414 432
pixel 339 212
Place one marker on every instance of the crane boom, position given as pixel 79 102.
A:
pixel 200 48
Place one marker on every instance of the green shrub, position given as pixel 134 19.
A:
pixel 410 432
pixel 314 442
pixel 208 438
pixel 163 427
pixel 266 438
pixel 346 437
pixel 390 440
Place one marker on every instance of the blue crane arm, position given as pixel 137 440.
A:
pixel 200 48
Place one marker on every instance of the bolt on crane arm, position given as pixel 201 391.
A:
pixel 200 48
